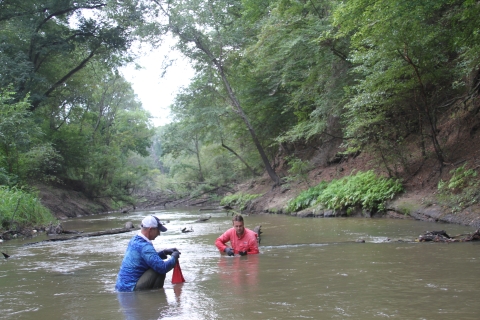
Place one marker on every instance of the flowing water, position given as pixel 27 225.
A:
pixel 307 268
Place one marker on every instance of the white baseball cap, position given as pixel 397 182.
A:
pixel 153 222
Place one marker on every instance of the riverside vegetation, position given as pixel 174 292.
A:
pixel 287 96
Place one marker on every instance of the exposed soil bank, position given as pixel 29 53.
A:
pixel 67 203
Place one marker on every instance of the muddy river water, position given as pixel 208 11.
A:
pixel 307 269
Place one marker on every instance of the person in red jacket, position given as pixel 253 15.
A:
pixel 242 240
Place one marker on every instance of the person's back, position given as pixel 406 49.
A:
pixel 142 267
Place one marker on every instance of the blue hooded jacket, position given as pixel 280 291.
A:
pixel 139 257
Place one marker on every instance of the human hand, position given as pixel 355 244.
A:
pixel 243 253
pixel 169 251
pixel 176 255
pixel 229 251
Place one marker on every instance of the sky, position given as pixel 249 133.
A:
pixel 155 92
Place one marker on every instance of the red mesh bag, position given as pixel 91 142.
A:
pixel 177 276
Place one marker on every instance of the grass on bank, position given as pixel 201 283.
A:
pixel 461 190
pixel 19 209
pixel 239 200
pixel 363 190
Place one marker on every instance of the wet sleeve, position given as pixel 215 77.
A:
pixel 222 240
pixel 153 260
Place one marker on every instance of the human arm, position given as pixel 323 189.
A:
pixel 163 254
pixel 153 260
pixel 221 241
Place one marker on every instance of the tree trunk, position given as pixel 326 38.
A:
pixel 195 38
pixel 197 153
pixel 240 158
pixel 271 172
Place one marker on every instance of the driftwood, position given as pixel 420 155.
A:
pixel 185 230
pixel 442 236
pixel 87 235
pixel 6 255
pixel 258 231
pixel 210 209
pixel 203 219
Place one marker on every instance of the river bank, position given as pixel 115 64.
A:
pixel 418 202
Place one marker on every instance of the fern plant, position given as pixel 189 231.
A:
pixel 306 198
pixel 365 190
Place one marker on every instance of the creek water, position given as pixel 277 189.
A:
pixel 307 268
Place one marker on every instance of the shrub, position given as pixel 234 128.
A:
pixel 20 208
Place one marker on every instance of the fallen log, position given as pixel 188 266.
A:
pixel 442 236
pixel 203 219
pixel 199 202
pixel 210 209
pixel 258 231
pixel 86 235
pixel 474 236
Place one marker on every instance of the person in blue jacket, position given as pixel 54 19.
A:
pixel 142 267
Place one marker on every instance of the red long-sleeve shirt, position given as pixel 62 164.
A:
pixel 247 242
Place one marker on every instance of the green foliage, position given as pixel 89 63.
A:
pixel 41 163
pixel 307 198
pixel 364 190
pixel 41 55
pixel 19 208
pixel 408 57
pixel 461 190
pixel 18 136
pixel 304 73
pixel 68 114
pixel 298 170
pixel 461 178
pixel 239 200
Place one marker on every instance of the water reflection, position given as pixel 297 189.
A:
pixel 152 304
pixel 239 274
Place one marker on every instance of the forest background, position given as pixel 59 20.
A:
pixel 287 96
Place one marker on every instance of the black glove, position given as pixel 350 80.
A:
pixel 229 251
pixel 176 254
pixel 169 251
pixel 243 253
